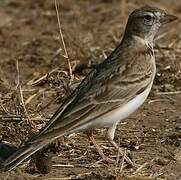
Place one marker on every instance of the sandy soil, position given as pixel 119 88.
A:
pixel 34 79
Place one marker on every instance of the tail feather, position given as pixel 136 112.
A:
pixel 21 154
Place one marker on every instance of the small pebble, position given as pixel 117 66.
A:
pixel 43 163
pixel 162 161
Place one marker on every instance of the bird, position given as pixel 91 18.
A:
pixel 111 92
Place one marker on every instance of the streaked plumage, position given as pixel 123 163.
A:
pixel 110 92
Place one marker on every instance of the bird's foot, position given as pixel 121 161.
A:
pixel 123 153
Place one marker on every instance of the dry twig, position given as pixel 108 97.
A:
pixel 168 93
pixel 18 86
pixel 62 39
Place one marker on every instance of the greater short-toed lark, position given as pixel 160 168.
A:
pixel 109 93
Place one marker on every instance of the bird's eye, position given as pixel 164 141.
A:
pixel 148 17
pixel 148 20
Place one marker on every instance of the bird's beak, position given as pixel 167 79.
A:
pixel 168 18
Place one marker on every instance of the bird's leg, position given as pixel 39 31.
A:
pixel 104 157
pixel 110 137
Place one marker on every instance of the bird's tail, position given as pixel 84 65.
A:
pixel 21 154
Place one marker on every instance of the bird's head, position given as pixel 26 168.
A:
pixel 146 21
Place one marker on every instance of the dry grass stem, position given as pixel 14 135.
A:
pixel 62 38
pixel 18 86
pixel 29 99
pixel 63 165
pixel 23 103
pixel 157 100
pixel 38 81
pixel 10 118
pixel 122 161
pixel 168 93
pixel 138 170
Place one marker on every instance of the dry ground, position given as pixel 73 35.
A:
pixel 34 80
